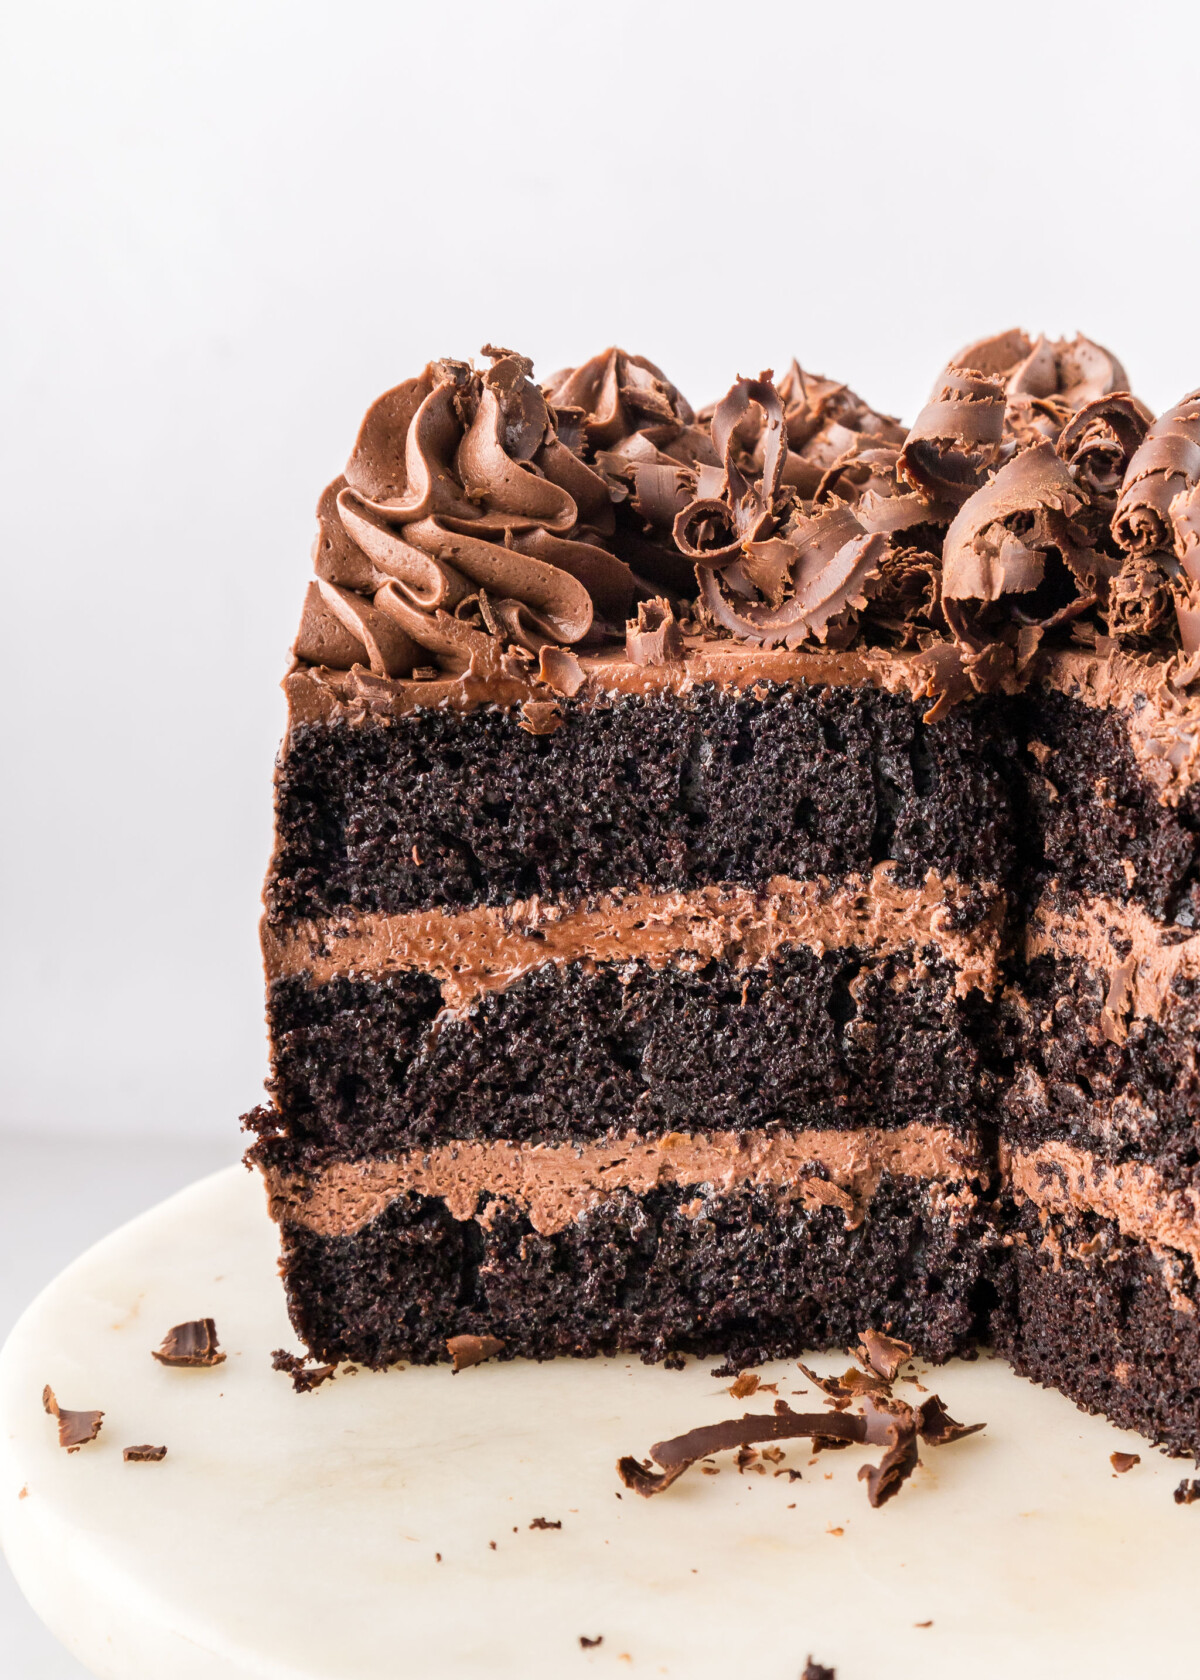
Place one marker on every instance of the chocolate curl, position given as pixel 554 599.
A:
pixel 1187 614
pixel 390 652
pixel 1139 602
pixel 561 670
pixel 813 405
pixel 1099 442
pixel 1016 563
pixel 1185 520
pixel 824 565
pixel 890 1423
pixel 903 601
pixel 956 436
pixel 75 1429
pixel 681 1452
pixel 1166 464
pixel 712 529
pixel 1077 370
pixel 654 637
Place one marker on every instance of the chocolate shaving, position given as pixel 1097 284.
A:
pixel 587 1644
pixel 560 670
pixel 190 1344
pixel 937 1428
pixel 1166 464
pixel 540 717
pixel 883 1354
pixel 465 1351
pixel 144 1455
pixel 75 1429
pixel 1123 1461
pixel 851 1385
pixel 744 1385
pixel 544 1522
pixel 305 1376
pixel 654 637
pixel 681 1452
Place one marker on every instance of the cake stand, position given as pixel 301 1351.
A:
pixel 386 1525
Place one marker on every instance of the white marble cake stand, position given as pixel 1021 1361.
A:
pixel 290 1536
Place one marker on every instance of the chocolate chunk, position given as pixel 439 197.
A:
pixel 305 1376
pixel 144 1455
pixel 1187 1492
pixel 817 1671
pixel 544 1522
pixel 936 1427
pixel 193 1343
pixel 472 1350
pixel 590 1644
pixel 75 1429
pixel 1123 1461
pixel 883 1354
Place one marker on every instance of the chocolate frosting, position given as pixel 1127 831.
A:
pixel 484 524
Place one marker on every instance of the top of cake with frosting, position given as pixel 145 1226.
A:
pixel 486 525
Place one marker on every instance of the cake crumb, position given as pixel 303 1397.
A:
pixel 492 1545
pixel 305 1377
pixel 24 1493
pixel 466 1351
pixel 590 1644
pixel 929 1623
pixel 835 1531
pixel 817 1671
pixel 543 1522
pixel 1187 1492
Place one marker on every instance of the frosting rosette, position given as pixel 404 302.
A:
pixel 466 520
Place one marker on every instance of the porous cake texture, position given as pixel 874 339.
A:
pixel 735 875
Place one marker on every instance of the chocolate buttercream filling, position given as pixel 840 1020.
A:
pixel 556 1184
pixel 1140 959
pixel 486 949
pixel 1065 1180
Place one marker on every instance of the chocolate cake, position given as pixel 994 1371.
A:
pixel 736 876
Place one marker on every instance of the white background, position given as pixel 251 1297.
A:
pixel 228 226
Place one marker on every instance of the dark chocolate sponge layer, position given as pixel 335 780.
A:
pixel 666 791
pixel 583 1049
pixel 1090 809
pixel 1102 1327
pixel 750 1275
pixel 1145 1091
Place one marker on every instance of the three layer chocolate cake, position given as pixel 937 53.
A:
pixel 736 875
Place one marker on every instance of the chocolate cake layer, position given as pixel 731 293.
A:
pixel 1097 814
pixel 367 1066
pixel 1108 1319
pixel 751 1273
pixel 441 807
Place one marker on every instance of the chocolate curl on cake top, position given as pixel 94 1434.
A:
pixel 462 504
pixel 639 433
pixel 1099 442
pixel 1045 381
pixel 769 573
pixel 956 437
pixel 1016 562
pixel 1166 464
